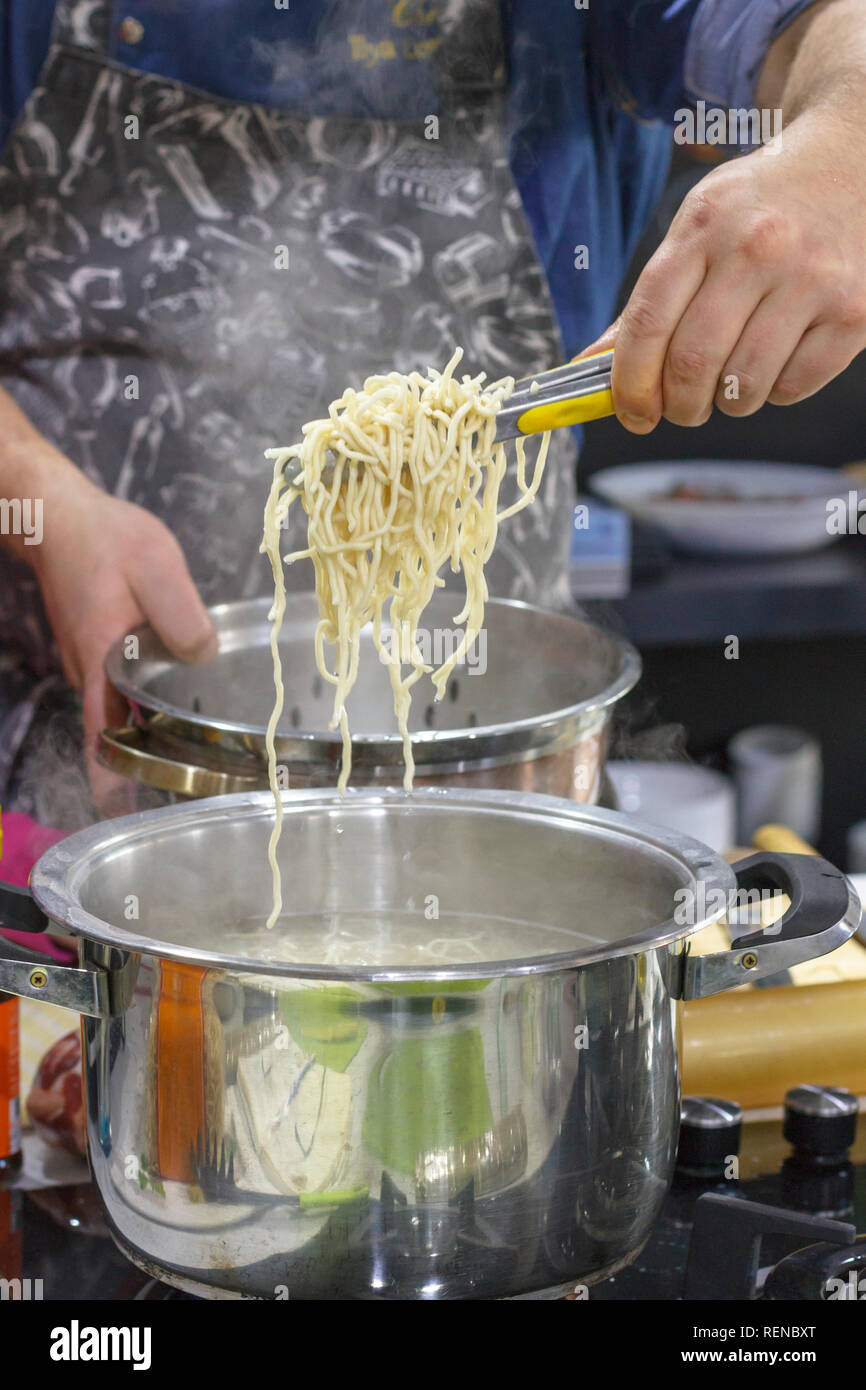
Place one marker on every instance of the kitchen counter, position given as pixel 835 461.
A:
pixel 678 600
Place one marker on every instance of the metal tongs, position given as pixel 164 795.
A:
pixel 570 395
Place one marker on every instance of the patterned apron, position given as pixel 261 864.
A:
pixel 185 280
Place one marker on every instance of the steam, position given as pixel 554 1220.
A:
pixel 49 778
pixel 655 743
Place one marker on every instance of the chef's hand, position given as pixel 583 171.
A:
pixel 758 292
pixel 105 566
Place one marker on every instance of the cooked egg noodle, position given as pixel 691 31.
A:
pixel 401 478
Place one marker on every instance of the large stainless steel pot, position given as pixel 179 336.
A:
pixel 530 710
pixel 503 1128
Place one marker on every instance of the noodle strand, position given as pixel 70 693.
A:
pixel 402 478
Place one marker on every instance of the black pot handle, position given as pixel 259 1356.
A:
pixel 90 990
pixel 19 911
pixel 824 912
pixel 819 894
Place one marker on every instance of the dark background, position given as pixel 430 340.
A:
pixel 813 676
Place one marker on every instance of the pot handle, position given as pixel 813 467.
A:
pixel 89 990
pixel 824 912
pixel 125 751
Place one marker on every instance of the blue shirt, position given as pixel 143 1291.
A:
pixel 592 94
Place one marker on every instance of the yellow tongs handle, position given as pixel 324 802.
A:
pixel 569 395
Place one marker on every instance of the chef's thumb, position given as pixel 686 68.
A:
pixel 165 593
pixel 602 344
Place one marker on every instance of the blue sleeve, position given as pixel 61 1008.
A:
pixel 25 29
pixel 728 42
pixel 640 46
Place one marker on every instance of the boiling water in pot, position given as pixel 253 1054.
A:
pixel 396 939
pixel 380 880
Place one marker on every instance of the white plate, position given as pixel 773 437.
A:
pixel 783 506
pixel 682 796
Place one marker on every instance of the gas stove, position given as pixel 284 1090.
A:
pixel 768 1209
pixel 763 1207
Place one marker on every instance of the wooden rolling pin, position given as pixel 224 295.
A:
pixel 847 962
pixel 781 839
pixel 753 1045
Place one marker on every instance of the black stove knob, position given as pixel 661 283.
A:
pixel 820 1121
pixel 709 1134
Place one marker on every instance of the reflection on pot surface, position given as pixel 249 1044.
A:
pixel 449 1072
pixel 404 1140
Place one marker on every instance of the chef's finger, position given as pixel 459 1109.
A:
pixel 661 296
pixel 701 344
pixel 112 794
pixel 602 344
pixel 116 708
pixel 167 596
pixel 767 343
pixel 821 355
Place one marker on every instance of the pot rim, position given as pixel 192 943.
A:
pixel 533 734
pixel 57 877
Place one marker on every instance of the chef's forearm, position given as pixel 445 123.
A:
pixel 31 471
pixel 819 61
